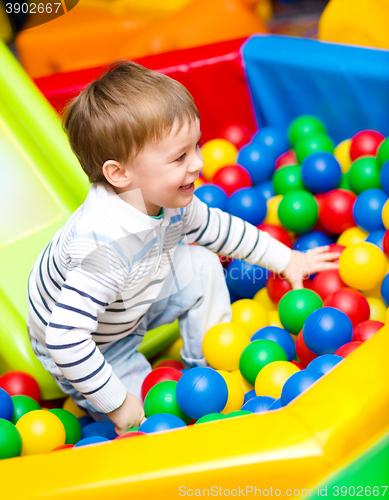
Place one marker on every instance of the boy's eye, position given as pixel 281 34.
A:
pixel 181 157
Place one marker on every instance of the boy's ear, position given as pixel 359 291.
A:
pixel 116 174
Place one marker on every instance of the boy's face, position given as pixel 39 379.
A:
pixel 165 171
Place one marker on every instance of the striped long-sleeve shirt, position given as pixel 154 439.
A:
pixel 95 280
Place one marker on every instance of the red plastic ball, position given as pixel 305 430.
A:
pixel 327 282
pixel 277 232
pixel 351 302
pixel 159 375
pixel 63 447
pixel 237 133
pixel 347 349
pixel 225 261
pixel 130 435
pixel 336 210
pixel 366 329
pixel 168 362
pixel 299 365
pixel 17 382
pixel 304 354
pixel 385 242
pixel 335 248
pixel 288 158
pixel 277 287
pixel 231 178
pixel 365 143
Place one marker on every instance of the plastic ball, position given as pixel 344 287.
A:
pixel 324 363
pixel 295 307
pixel 259 404
pixel 161 398
pixel 6 405
pixel 304 354
pixel 71 406
pixel 129 435
pixel 10 440
pixel 311 240
pixel 277 287
pixel 297 384
pixel 238 413
pixel 159 375
pixel 84 421
pixel 257 355
pixel 347 349
pixel 288 179
pixel 245 279
pixel 377 237
pixel 272 138
pixel 258 160
pixel 385 243
pixel 161 422
pixel 365 330
pixel 364 174
pixel 278 335
pixel 214 196
pixel 342 154
pixel 168 361
pixel 362 266
pixel 272 377
pixel 378 309
pixel 211 417
pixel 368 208
pixel 41 431
pixel 277 232
pixel 336 210
pixel 384 177
pixel 249 315
pixel 385 215
pixel 351 236
pixel 385 290
pixel 235 392
pixel 249 395
pixel 272 211
pixel 71 424
pixel 91 440
pixel 383 153
pixel 200 391
pixel 298 211
pixel 102 429
pixel 217 153
pixel 223 344
pixel 288 158
pixel 274 319
pixel 351 302
pixel 236 133
pixel 22 405
pixel 365 143
pixel 320 172
pixel 277 405
pixel 327 329
pixel 16 382
pixel 247 387
pixel 327 282
pixel 231 178
pixel 247 205
pixel 314 143
pixel 265 189
pixel 304 126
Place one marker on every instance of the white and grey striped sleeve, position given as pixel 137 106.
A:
pixel 231 236
pixel 92 283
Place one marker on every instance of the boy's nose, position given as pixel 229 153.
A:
pixel 196 165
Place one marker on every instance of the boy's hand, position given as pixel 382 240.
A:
pixel 313 261
pixel 129 414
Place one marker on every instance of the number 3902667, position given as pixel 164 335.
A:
pixel 32 8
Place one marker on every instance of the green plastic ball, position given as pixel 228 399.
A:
pixel 345 182
pixel 238 413
pixel 71 424
pixel 133 429
pixel 383 153
pixel 258 354
pixel 210 418
pixel 10 440
pixel 295 307
pixel 298 211
pixel 313 144
pixel 161 398
pixel 303 126
pixel 287 179
pixel 22 405
pixel 364 174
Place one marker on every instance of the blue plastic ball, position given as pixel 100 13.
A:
pixel 327 329
pixel 91 440
pixel 376 237
pixel 272 138
pixel 200 391
pixel 6 405
pixel 385 290
pixel 161 422
pixel 279 335
pixel 276 405
pixel 298 383
pixel 214 196
pixel 265 189
pixel 103 429
pixel 384 177
pixel 84 421
pixel 324 363
pixel 244 279
pixel 247 205
pixel 320 172
pixel 258 160
pixel 259 404
pixel 367 209
pixel 311 240
pixel 249 395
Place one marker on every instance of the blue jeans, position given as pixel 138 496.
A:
pixel 201 304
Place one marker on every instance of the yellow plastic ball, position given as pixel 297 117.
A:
pixel 198 183
pixel 173 349
pixel 374 292
pixel 385 215
pixel 274 319
pixel 342 154
pixel 217 153
pixel 351 236
pixel 41 432
pixel 387 316
pixel 362 266
pixel 71 406
pixel 249 315
pixel 246 385
pixel 378 309
pixel 262 297
pixel 235 392
pixel 223 344
pixel 272 377
pixel 272 211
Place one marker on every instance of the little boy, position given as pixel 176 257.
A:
pixel 119 266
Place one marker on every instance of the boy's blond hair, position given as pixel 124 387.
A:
pixel 117 114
